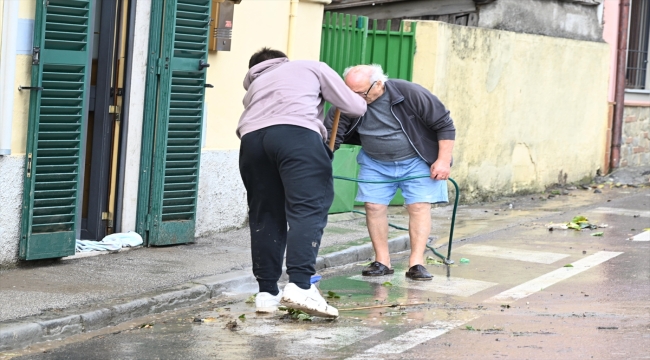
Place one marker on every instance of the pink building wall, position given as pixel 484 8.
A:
pixel 610 35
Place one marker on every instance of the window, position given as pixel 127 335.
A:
pixel 636 76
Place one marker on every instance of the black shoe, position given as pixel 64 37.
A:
pixel 377 269
pixel 418 272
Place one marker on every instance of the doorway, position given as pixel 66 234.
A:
pixel 103 133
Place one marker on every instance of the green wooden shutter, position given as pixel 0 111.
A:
pixel 56 124
pixel 177 146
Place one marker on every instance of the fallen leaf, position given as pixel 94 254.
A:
pixel 600 233
pixel 579 219
pixel 365 264
pixel 573 225
pixel 304 317
pixel 568 265
pixel 251 299
pixel 209 319
pixel 332 295
pixel 242 317
pixel 387 283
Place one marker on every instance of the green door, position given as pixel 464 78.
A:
pixel 57 113
pixel 177 119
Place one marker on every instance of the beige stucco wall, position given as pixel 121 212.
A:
pixel 255 24
pixel 222 197
pixel 526 107
pixel 27 10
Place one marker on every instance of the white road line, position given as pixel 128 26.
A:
pixel 644 236
pixel 546 280
pixel 618 211
pixel 439 284
pixel 511 254
pixel 410 339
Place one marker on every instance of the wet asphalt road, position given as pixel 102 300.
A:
pixel 515 299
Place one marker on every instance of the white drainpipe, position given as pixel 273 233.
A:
pixel 8 72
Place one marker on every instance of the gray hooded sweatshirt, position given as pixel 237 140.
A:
pixel 283 92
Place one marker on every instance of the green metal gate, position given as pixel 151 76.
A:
pixel 171 149
pixel 57 113
pixel 348 40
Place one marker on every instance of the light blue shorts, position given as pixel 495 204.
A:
pixel 424 190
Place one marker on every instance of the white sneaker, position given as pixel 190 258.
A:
pixel 267 303
pixel 309 301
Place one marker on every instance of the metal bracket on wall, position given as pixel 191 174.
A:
pixel 37 88
pixel 36 55
pixel 29 165
pixel 114 109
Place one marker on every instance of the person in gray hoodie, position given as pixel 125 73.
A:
pixel 287 171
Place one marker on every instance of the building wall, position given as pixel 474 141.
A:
pixel 528 109
pixel 635 147
pixel 12 166
pixel 222 197
pixel 565 19
pixel 610 35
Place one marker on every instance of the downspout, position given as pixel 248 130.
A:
pixel 619 97
pixel 7 72
pixel 293 15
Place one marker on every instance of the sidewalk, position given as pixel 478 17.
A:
pixel 49 300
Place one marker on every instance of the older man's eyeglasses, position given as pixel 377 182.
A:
pixel 365 94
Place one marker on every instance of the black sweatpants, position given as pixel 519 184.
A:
pixel 287 172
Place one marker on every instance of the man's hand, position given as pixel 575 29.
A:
pixel 440 170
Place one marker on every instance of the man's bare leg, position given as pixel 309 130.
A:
pixel 377 221
pixel 419 230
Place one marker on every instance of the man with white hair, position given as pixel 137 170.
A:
pixel 406 131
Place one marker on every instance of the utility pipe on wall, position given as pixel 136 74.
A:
pixel 619 97
pixel 7 72
pixel 293 15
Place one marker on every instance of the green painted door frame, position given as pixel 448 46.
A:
pixel 56 129
pixel 171 148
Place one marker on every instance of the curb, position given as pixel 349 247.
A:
pixel 19 335
pixel 22 334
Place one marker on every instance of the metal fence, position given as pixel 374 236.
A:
pixel 348 40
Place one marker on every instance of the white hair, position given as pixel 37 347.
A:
pixel 377 73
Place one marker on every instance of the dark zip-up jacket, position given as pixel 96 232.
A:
pixel 421 115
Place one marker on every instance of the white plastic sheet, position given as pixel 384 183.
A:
pixel 111 242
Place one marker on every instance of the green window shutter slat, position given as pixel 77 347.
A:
pixel 62 31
